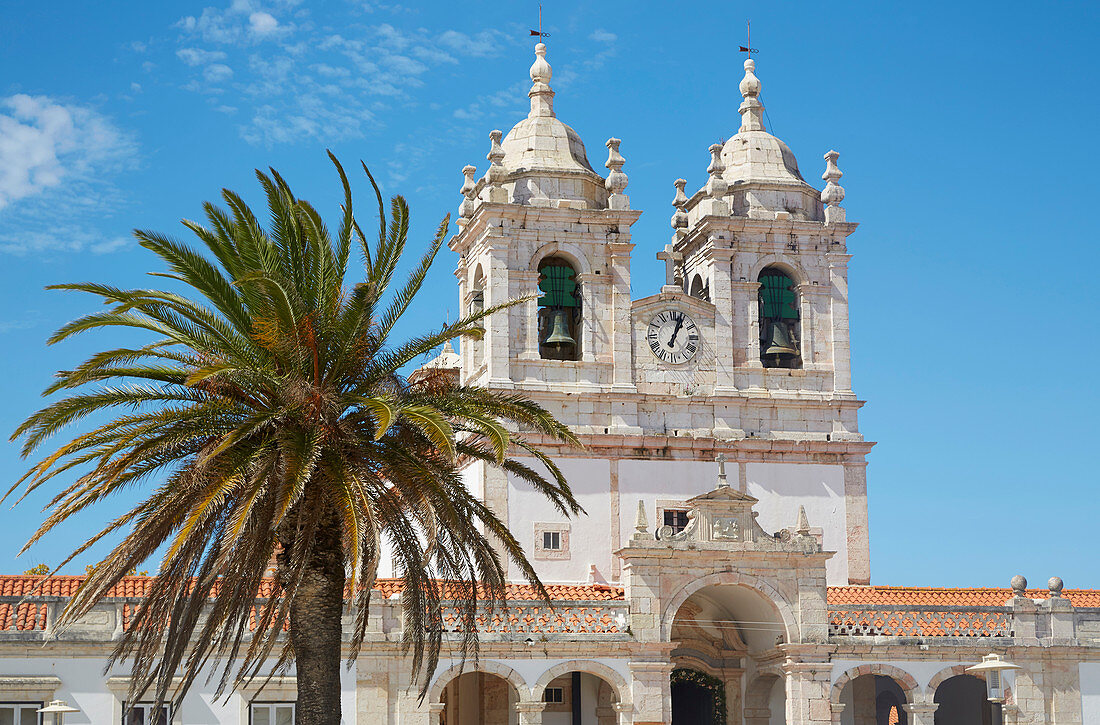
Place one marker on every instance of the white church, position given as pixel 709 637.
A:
pixel 722 572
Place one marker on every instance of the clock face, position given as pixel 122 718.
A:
pixel 673 336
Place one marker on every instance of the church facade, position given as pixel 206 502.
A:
pixel 722 572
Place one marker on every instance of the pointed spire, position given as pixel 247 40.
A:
pixel 616 179
pixel 802 527
pixel 833 193
pixel 542 97
pixel 641 525
pixel 680 217
pixel 496 174
pixel 751 110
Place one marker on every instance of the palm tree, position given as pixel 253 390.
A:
pixel 267 416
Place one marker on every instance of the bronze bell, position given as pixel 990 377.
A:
pixel 779 341
pixel 559 328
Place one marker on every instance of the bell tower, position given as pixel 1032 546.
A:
pixel 742 356
pixel 541 223
pixel 770 252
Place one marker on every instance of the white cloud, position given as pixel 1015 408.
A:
pixel 262 24
pixel 135 87
pixel 217 73
pixel 198 56
pixel 43 143
pixel 602 36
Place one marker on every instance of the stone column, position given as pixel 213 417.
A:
pixel 807 686
pixel 921 713
pixel 530 713
pixel 837 712
pixel 651 692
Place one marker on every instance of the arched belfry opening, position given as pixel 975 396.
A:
pixel 559 310
pixel 699 289
pixel 780 323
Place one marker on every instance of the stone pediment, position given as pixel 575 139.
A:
pixel 724 519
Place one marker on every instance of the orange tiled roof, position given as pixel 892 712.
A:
pixel 138 586
pixel 946 597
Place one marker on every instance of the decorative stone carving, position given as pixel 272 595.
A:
pixel 1019 586
pixel 679 201
pixel 833 193
pixel 497 174
pixel 466 208
pixel 1054 584
pixel 616 179
pixel 725 529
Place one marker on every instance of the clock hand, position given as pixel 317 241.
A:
pixel 675 331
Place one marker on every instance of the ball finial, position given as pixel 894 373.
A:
pixel 1019 585
pixel 1054 584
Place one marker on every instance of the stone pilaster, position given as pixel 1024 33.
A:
pixel 651 692
pixel 372 697
pixel 530 713
pixel 807 687
pixel 842 355
pixel 921 713
pixel 856 522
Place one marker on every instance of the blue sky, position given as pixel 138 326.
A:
pixel 967 136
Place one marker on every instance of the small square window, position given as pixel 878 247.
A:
pixel 19 713
pixel 551 540
pixel 554 695
pixel 145 713
pixel 677 519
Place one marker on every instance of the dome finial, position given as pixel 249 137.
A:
pixel 542 97
pixel 751 110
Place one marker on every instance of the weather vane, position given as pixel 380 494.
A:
pixel 747 48
pixel 539 31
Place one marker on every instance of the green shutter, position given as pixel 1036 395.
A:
pixel 777 298
pixel 558 286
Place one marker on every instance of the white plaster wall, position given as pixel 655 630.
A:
pixel 589 533
pixel 1090 691
pixel 783 487
pixel 84 686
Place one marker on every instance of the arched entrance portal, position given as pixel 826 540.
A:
pixel 962 701
pixel 478 698
pixel 697 698
pixel 724 634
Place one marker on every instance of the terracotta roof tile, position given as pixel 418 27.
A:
pixel 138 586
pixel 946 597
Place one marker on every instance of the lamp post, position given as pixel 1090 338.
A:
pixel 58 708
pixel 992 666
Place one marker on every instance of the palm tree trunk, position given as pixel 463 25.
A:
pixel 315 628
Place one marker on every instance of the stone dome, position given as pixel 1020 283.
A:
pixel 544 143
pixel 759 156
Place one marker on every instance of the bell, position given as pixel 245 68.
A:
pixel 559 328
pixel 779 342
